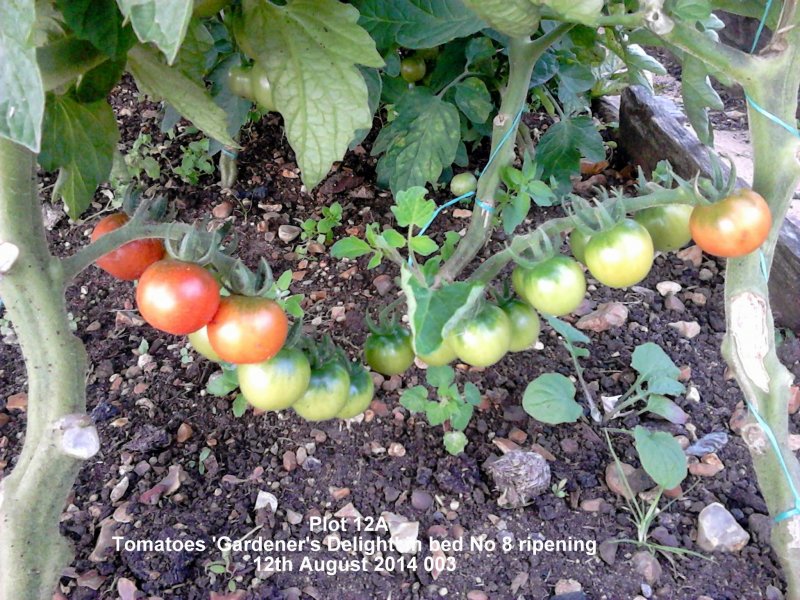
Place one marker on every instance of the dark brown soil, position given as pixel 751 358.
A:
pixel 139 404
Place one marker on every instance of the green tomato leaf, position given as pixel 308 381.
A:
pixel 415 399
pixel 661 384
pixel 514 18
pixel 473 99
pixel 698 96
pixel 550 398
pixel 567 331
pixel 439 412
pixel 419 143
pixel 163 22
pixel 98 22
pixel 472 394
pixel 21 91
pixel 412 208
pixel 561 147
pixel 650 361
pixel 310 49
pixel 541 192
pixel 666 409
pixel 455 442
pixel 692 10
pixel 350 247
pixel 661 456
pixel 416 23
pixel 440 377
pixel 515 211
pixel 191 58
pixel 430 311
pixel 423 244
pixel 393 238
pixel 461 415
pixel 239 406
pixel 222 383
pixel 80 139
pixel 190 99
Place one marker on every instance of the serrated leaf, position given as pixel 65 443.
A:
pixel 515 18
pixel 563 145
pixel 637 58
pixel 190 99
pixel 416 23
pixel 412 208
pixel 192 57
pixel 350 247
pixel 515 211
pixel 222 383
pixel 650 360
pixel 440 377
pixel 419 143
pixel 285 280
pixel 423 244
pixel 666 409
pixel 375 260
pixel 661 455
pixel 698 95
pixel 415 399
pixel 567 331
pixel 692 10
pixel 96 21
pixel 461 416
pixel 438 412
pixel 239 406
pixel 550 398
pixel 455 442
pixel 310 49
pixel 163 22
pixel 21 90
pixel 430 310
pixel 473 99
pixel 80 139
pixel 393 238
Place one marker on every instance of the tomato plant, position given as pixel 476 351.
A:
pixel 276 383
pixel 391 352
pixel 359 397
pixel 525 324
pixel 668 226
pixel 204 9
pixel 177 297
pixel 555 286
pixel 484 339
pixel 620 256
pixel 247 329
pixel 327 393
pixel 129 261
pixel 732 227
pixel 412 69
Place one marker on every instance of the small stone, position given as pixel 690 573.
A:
pixel 688 329
pixel 294 518
pixel 709 466
pixel 668 288
pixel 477 595
pixel 319 436
pixel 223 210
pixel 638 480
pixel 4 419
pixel 608 551
pixel 383 284
pixel 647 566
pixel 289 461
pixel 339 493
pixel 287 233
pixel 692 254
pixel 672 302
pixel 392 384
pixel 685 374
pixel 717 530
pixel 773 593
pixel 397 450
pixel 794 399
pixel 520 477
pixel 761 527
pixel 338 314
pixel 184 433
pixel 517 435
pixel 705 275
pixel 567 586
pixel 316 248
pixel 738 418
pixel 421 500
pixel 462 213
pixel 593 505
pixel 17 401
pixel 569 446
pixel 607 316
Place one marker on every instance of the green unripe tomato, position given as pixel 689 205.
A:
pixel 525 324
pixel 556 286
pixel 277 383
pixel 362 390
pixel 204 9
pixel 240 80
pixel 201 344
pixel 483 340
pixel 262 90
pixel 443 355
pixel 668 226
pixel 463 183
pixel 621 256
pixel 428 53
pixel 412 69
pixel 389 353
pixel 577 243
pixel 327 393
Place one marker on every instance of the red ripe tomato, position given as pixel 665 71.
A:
pixel 129 261
pixel 176 296
pixel 247 329
pixel 732 227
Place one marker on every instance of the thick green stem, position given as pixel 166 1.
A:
pixel 749 345
pixel 523 54
pixel 58 433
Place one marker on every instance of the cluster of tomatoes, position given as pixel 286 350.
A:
pixel 183 298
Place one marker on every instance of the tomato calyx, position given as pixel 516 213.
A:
pixel 201 246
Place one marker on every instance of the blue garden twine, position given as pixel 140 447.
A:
pixel 795 511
